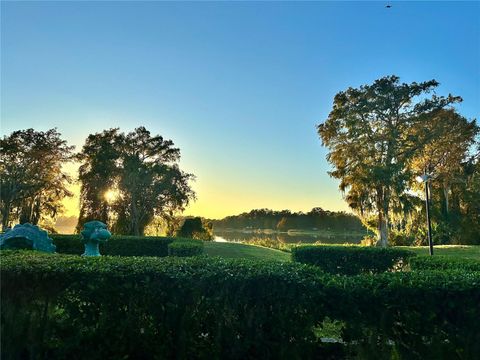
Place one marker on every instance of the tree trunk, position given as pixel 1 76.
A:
pixel 36 211
pixel 382 229
pixel 26 212
pixel 134 219
pixel 5 216
pixel 446 190
pixel 383 199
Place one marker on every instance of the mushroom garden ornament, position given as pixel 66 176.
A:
pixel 94 233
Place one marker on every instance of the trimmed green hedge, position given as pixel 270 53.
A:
pixel 117 245
pixel 185 248
pixel 122 245
pixel 59 306
pixel 351 260
pixel 443 263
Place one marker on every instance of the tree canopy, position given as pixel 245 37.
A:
pixel 195 228
pixel 284 220
pixel 373 134
pixel 98 173
pixel 141 169
pixel 32 182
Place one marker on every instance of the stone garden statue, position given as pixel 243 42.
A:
pixel 27 236
pixel 94 233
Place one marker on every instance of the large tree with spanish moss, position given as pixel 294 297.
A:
pixel 372 134
pixel 141 169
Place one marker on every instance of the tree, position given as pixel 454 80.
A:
pixel 98 174
pixel 195 228
pixel 142 169
pixel 32 182
pixel 469 201
pixel 372 133
pixel 452 136
pixel 286 220
pixel 284 224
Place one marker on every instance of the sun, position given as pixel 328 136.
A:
pixel 111 195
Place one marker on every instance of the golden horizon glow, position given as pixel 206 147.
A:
pixel 217 199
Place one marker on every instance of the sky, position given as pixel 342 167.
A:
pixel 239 87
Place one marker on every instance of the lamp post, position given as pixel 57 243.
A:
pixel 424 178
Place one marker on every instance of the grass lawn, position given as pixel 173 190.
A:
pixel 460 251
pixel 233 250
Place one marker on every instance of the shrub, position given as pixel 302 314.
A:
pixel 400 238
pixel 351 260
pixel 442 234
pixel 196 228
pixel 416 312
pixel 443 263
pixel 58 306
pixel 185 248
pixel 147 308
pixel 368 240
pixel 53 305
pixel 117 245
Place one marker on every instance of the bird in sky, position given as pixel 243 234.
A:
pixel 388 6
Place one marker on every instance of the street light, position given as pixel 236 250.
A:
pixel 424 178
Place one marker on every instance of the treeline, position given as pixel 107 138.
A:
pixel 380 138
pixel 284 220
pixel 127 180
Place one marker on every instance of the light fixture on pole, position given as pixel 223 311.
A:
pixel 424 178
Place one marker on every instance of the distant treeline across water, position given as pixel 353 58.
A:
pixel 284 220
pixel 277 239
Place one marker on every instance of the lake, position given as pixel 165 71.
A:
pixel 274 239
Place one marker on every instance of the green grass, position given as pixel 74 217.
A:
pixel 458 251
pixel 233 250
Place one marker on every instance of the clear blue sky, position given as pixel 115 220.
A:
pixel 239 87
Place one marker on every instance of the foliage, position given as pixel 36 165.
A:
pixel 351 260
pixel 32 182
pixel 166 225
pixel 143 172
pixel 286 220
pixel 400 238
pixel 454 170
pixel 468 232
pixel 185 248
pixel 368 240
pixel 116 245
pixel 458 251
pixel 443 263
pixel 373 133
pixel 98 174
pixel 195 228
pixel 211 308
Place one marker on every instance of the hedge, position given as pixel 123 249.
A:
pixel 351 260
pixel 185 248
pixel 59 306
pixel 443 263
pixel 117 245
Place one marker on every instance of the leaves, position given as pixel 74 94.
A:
pixel 32 182
pixel 372 134
pixel 231 308
pixel 351 260
pixel 142 168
